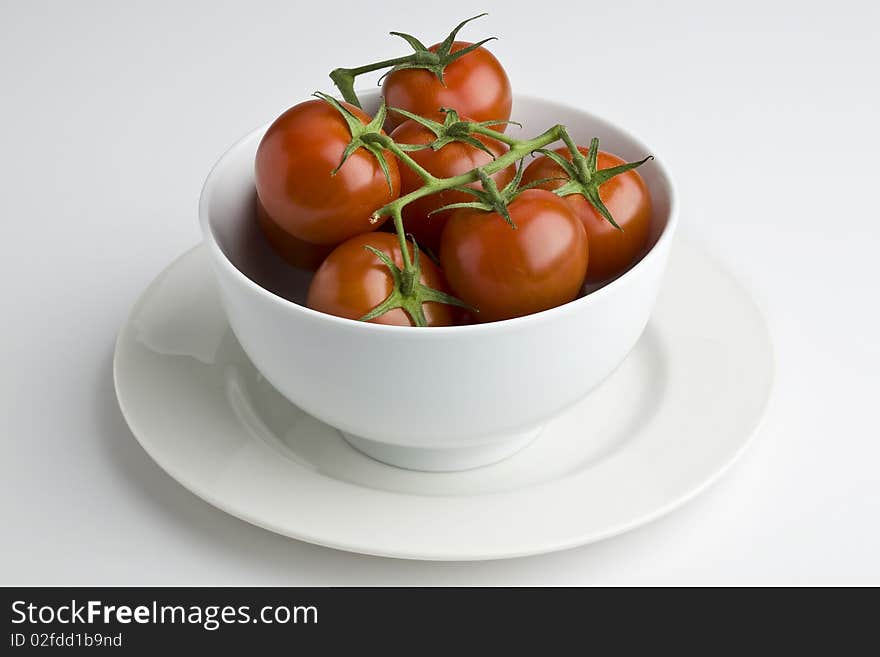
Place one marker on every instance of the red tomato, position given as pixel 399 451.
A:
pixel 611 251
pixel 352 281
pixel 453 159
pixel 296 252
pixel 475 85
pixel 465 318
pixel 294 182
pixel 505 272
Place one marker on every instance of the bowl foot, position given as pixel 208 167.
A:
pixel 443 459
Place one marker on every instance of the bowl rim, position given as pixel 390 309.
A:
pixel 665 236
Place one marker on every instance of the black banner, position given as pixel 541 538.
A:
pixel 553 621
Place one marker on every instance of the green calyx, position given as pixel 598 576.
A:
pixel 362 135
pixel 435 62
pixel 492 199
pixel 421 57
pixel 408 292
pixel 451 130
pixel 582 176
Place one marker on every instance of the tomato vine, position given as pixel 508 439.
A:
pixel 580 171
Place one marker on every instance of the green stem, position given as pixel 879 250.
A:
pixel 397 217
pixel 578 160
pixel 494 134
pixel 344 78
pixel 518 150
pixel 389 144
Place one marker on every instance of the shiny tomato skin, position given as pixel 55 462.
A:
pixel 454 159
pixel 296 252
pixel 505 272
pixel 294 182
pixel 626 196
pixel 475 85
pixel 465 318
pixel 352 281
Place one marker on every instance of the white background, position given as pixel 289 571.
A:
pixel 112 113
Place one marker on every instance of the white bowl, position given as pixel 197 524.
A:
pixel 438 398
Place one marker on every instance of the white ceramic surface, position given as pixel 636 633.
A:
pixel 664 425
pixel 438 399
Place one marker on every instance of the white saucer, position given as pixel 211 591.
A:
pixel 663 427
